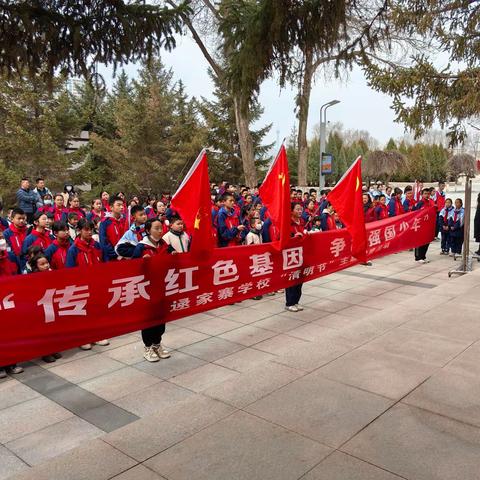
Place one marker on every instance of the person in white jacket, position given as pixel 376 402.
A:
pixel 177 239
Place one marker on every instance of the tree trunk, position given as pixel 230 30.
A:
pixel 246 142
pixel 303 102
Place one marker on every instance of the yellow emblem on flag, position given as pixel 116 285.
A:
pixel 358 184
pixel 281 176
pixel 198 218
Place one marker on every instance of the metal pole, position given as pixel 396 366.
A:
pixel 322 147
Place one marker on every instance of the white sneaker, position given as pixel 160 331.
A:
pixel 87 346
pixel 150 355
pixel 423 261
pixel 102 343
pixel 292 308
pixel 161 351
pixel 300 308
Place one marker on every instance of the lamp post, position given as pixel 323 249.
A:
pixel 323 130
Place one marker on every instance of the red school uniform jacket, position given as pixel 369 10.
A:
pixel 83 253
pixel 297 227
pixel 15 238
pixel 57 254
pixel 7 266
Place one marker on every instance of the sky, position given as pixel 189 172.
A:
pixel 360 107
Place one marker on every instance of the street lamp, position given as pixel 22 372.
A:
pixel 323 130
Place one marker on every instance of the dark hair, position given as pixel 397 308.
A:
pixel 317 219
pixel 59 226
pixel 25 179
pixel 37 216
pixel 34 260
pixel 39 179
pixel 150 222
pixel 72 215
pixel 135 209
pixel 87 224
pixel 33 250
pixel 408 188
pixel 73 197
pixel 381 196
pixel 313 190
pixel 293 205
pixel 426 190
pixel 175 218
pixel 17 211
pixel 226 195
pixel 460 200
pixel 114 199
pixel 397 191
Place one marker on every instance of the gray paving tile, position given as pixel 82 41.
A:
pixel 247 335
pixel 310 332
pixel 51 441
pixel 119 383
pixel 240 447
pixel 278 323
pixel 139 472
pixel 378 372
pixel 247 315
pixel 467 363
pixel 245 359
pixel 108 417
pixel 321 409
pixel 95 460
pixel 10 464
pixel 177 364
pixel 13 392
pixel 167 427
pixel 215 326
pixel 181 337
pixel 212 349
pixel 416 345
pixel 280 344
pixel 252 385
pixel 417 444
pixel 203 377
pixel 339 466
pixel 29 416
pixel 449 394
pixel 128 354
pixel 153 399
pixel 85 368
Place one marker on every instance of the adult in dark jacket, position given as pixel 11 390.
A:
pixel 476 225
pixel 27 199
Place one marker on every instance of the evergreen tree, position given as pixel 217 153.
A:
pixel 36 121
pixel 391 145
pixel 222 136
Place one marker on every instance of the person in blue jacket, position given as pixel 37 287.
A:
pixel 456 221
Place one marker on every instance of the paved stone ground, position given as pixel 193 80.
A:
pixel 377 379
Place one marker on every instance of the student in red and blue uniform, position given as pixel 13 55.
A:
pixel 439 197
pixel 443 226
pixel 456 220
pixel 297 229
pixel 85 252
pixel 395 206
pixel 424 202
pixel 16 233
pixel 112 229
pixel 59 210
pixel 152 245
pixel 230 230
pixel 310 212
pixel 367 207
pixel 96 210
pixel 327 219
pixel 56 253
pixel 381 210
pixel 39 236
pixel 3 222
pixel 74 207
pixel 270 231
pixel 134 235
pixel 409 202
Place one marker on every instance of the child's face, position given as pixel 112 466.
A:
pixel 63 235
pixel 117 207
pixel 140 217
pixel 458 204
pixel 177 226
pixel 73 221
pixel 383 200
pixel 75 203
pixel 161 208
pixel 105 196
pixel 49 222
pixel 448 203
pixel 43 221
pixel 97 205
pixel 19 221
pixel 86 234
pixel 317 223
pixel 59 201
pixel 43 265
pixel 156 231
pixel 409 195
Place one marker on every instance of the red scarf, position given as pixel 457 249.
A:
pixel 88 253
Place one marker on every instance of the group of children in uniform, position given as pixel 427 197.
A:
pixel 65 235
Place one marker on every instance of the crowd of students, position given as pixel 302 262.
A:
pixel 51 232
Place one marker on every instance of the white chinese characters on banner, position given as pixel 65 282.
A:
pixel 7 303
pixel 224 271
pixel 71 301
pixel 390 233
pixel 374 238
pixel 261 264
pixel 337 247
pixel 204 298
pixel 292 258
pixel 175 278
pixel 127 290
pixel 416 225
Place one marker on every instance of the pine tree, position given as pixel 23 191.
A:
pixel 36 121
pixel 222 136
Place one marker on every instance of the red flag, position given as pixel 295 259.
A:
pixel 193 203
pixel 275 194
pixel 346 199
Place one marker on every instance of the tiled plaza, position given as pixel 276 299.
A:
pixel 377 379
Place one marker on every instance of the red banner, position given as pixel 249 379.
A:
pixel 54 311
